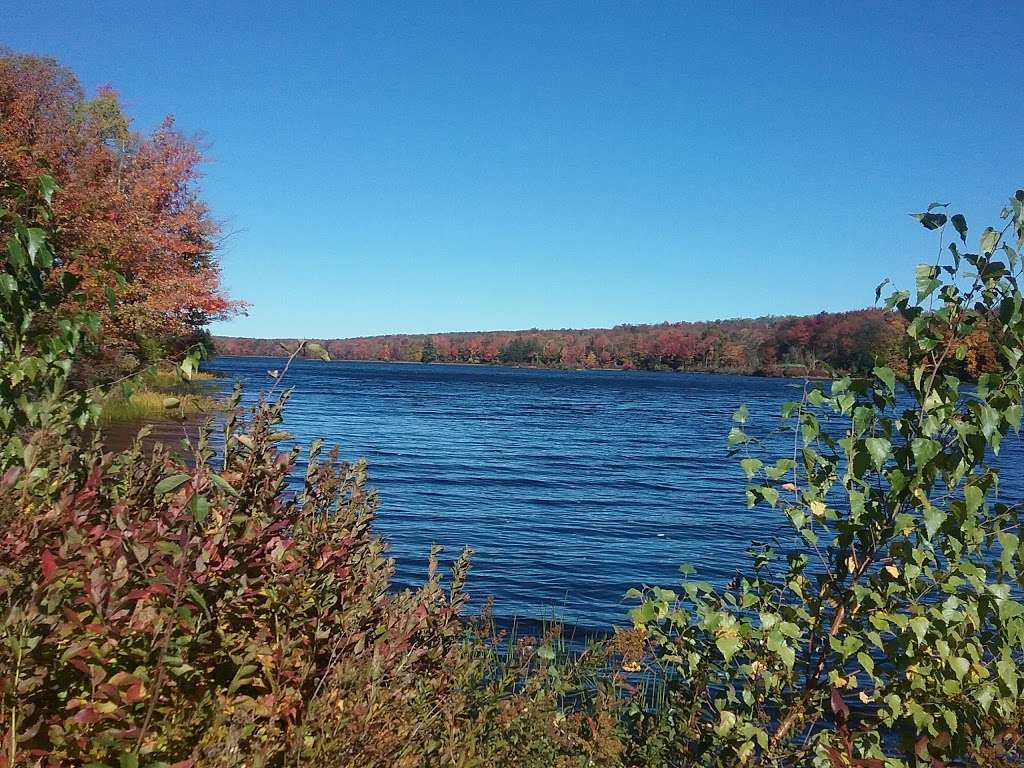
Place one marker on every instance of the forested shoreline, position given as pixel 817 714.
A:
pixel 790 345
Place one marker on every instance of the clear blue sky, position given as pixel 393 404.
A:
pixel 494 165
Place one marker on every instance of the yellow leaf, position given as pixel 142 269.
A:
pixel 893 571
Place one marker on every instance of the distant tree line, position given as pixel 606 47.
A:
pixel 845 341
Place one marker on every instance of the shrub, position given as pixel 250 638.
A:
pixel 893 632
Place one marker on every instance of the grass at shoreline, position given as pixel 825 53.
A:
pixel 148 400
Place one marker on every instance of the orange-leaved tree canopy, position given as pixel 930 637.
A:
pixel 128 211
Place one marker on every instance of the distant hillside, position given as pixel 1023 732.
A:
pixel 846 341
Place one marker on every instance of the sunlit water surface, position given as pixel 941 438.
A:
pixel 570 486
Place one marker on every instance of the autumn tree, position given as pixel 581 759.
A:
pixel 128 212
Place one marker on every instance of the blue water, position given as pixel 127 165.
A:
pixel 570 486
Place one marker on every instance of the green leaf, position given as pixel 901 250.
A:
pixel 47 186
pixel 989 240
pixel 867 662
pixel 1010 543
pixel 8 284
pixel 736 436
pixel 862 416
pixel 988 418
pixel 789 629
pixel 788 656
pixel 985 697
pixel 200 507
pixel 223 484
pixel 933 520
pixel 1013 414
pixel 546 652
pixel 879 287
pixel 750 466
pixel 318 351
pixel 930 220
pixel 168 484
pixel 973 498
pixel 879 449
pixel 950 717
pixel 960 666
pixel 16 251
pixel 171 402
pixel 926 282
pixel 887 377
pixel 36 238
pixel 960 223
pixel 741 415
pixel 924 449
pixel 1011 255
pixel 643 613
pixel 1007 669
pixel 728 645
pixel 919 624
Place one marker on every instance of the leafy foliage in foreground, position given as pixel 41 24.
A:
pixel 36 357
pixel 896 628
pixel 176 613
pixel 156 610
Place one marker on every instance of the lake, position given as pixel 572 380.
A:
pixel 570 486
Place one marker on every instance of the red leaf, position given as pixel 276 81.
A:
pixel 839 708
pixel 921 747
pixel 49 565
pixel 10 477
pixel 134 693
pixel 88 716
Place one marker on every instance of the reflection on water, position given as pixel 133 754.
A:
pixel 119 437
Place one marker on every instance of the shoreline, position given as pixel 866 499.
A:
pixel 711 371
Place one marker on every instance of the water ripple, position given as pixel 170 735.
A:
pixel 569 486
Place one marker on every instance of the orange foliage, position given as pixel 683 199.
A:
pixel 846 341
pixel 128 205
